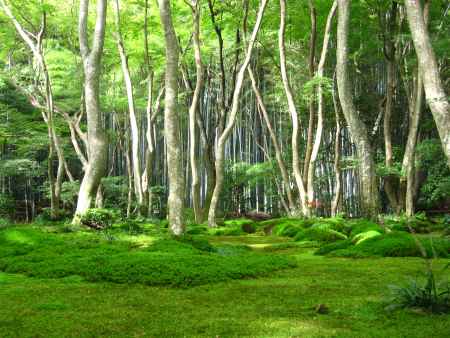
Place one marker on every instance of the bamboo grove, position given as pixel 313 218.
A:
pixel 198 109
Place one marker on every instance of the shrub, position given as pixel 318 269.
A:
pixel 419 223
pixel 131 226
pixel 249 228
pixel 427 295
pixel 98 218
pixel 4 222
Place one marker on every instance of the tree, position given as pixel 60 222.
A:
pixel 96 137
pixel 434 90
pixel 369 188
pixel 220 151
pixel 171 123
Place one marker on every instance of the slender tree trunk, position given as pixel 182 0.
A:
pixel 97 143
pixel 390 181
pixel 171 123
pixel 193 112
pixel 435 94
pixel 312 110
pixel 135 154
pixel 337 199
pixel 276 145
pixel 319 131
pixel 358 131
pixel 220 151
pixel 293 111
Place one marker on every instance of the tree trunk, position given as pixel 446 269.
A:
pixel 97 143
pixel 276 145
pixel 358 131
pixel 319 131
pixel 171 123
pixel 434 90
pixel 293 111
pixel 135 154
pixel 312 110
pixel 193 112
pixel 220 151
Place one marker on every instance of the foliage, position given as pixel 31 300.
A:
pixel 98 218
pixel 436 188
pixel 428 295
pixel 363 236
pixel 6 205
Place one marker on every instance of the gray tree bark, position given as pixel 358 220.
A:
pixel 358 131
pixel 96 136
pixel 193 111
pixel 435 94
pixel 294 114
pixel 135 153
pixel 220 151
pixel 171 123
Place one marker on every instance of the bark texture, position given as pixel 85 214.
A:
pixel 96 136
pixel 171 123
pixel 358 130
pixel 435 94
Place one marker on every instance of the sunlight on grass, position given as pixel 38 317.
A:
pixel 18 237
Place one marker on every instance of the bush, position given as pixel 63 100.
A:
pixel 427 295
pixel 249 228
pixel 4 222
pixel 98 218
pixel 131 226
pixel 396 244
pixel 419 223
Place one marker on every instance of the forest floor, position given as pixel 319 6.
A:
pixel 277 304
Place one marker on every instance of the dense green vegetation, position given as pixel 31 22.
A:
pixel 134 279
pixel 224 168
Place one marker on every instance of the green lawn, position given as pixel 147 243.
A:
pixel 277 304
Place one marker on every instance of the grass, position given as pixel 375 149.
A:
pixel 279 304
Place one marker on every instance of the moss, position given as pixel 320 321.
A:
pixel 181 262
pixel 363 236
pixel 319 234
pixel 339 245
pixel 396 244
pixel 362 225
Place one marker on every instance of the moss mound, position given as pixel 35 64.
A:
pixel 394 244
pixel 167 262
pixel 319 234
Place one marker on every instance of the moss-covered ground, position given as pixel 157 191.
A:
pixel 269 286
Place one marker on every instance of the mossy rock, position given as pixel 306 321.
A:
pixel 249 228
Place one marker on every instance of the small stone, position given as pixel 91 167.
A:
pixel 322 309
